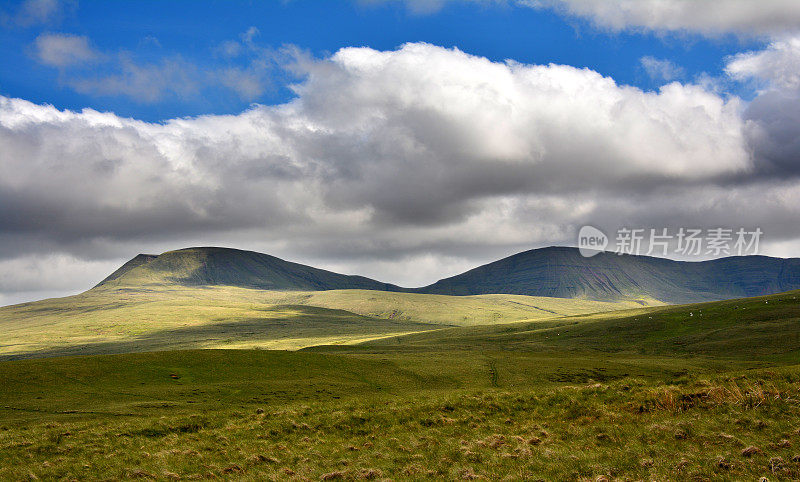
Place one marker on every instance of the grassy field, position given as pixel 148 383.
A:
pixel 458 415
pixel 694 392
pixel 116 320
pixel 764 327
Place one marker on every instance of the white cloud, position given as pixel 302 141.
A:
pixel 33 12
pixel 122 74
pixel 229 49
pixel 64 50
pixel 414 6
pixel 248 84
pixel 748 17
pixel 661 69
pixel 385 159
pixel 249 35
pixel 148 82
pixel 777 66
pixel 445 105
pixel 39 10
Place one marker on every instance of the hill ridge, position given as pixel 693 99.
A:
pixel 561 271
pixel 554 271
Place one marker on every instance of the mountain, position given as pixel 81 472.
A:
pixel 231 267
pixel 554 272
pixel 218 297
pixel 562 272
pixel 228 298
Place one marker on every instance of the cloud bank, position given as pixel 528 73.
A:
pixel 420 162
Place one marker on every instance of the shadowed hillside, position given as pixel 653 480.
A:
pixel 563 273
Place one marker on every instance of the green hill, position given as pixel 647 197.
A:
pixel 231 267
pixel 563 272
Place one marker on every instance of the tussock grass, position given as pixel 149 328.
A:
pixel 740 392
pixel 260 419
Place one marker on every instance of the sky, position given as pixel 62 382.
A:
pixel 402 140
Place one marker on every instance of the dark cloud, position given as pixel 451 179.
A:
pixel 774 132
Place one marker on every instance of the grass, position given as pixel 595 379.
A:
pixel 760 328
pixel 258 415
pixel 119 320
pixel 694 392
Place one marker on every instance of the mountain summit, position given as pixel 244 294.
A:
pixel 232 267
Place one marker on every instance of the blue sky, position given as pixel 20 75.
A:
pixel 405 140
pixel 193 32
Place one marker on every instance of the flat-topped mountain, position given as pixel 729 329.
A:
pixel 563 272
pixel 232 267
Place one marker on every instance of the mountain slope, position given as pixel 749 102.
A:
pixel 563 273
pixel 137 261
pixel 231 267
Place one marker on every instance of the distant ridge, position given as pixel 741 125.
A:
pixel 560 272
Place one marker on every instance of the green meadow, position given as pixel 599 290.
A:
pixel 691 392
pixel 168 317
